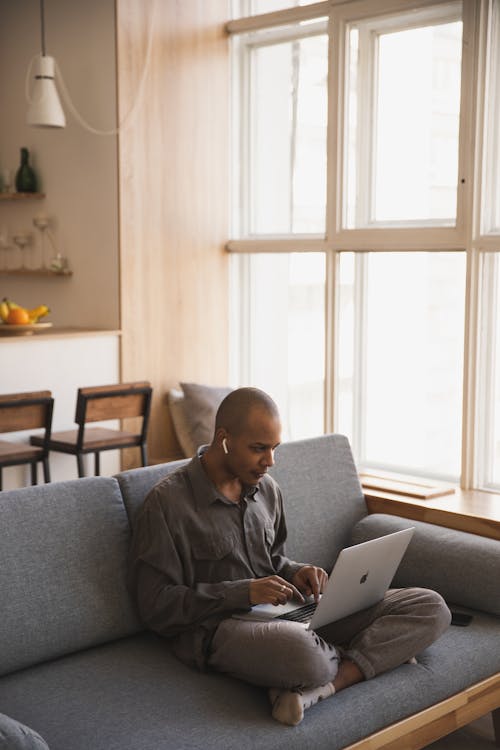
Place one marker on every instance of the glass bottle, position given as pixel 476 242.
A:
pixel 25 176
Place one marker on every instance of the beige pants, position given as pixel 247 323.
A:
pixel 280 653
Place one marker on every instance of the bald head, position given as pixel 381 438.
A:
pixel 233 413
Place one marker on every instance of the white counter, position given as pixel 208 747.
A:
pixel 60 360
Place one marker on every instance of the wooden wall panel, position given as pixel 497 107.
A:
pixel 173 187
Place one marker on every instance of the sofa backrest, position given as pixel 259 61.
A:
pixel 136 483
pixel 322 495
pixel 63 550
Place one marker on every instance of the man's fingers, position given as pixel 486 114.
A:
pixel 296 593
pixel 285 590
pixel 314 583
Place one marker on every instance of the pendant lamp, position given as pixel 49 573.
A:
pixel 44 110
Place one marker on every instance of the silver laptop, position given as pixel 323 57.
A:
pixel 359 579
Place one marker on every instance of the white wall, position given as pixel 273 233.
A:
pixel 77 170
pixel 60 365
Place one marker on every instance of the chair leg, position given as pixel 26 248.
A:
pixel 144 455
pixel 46 470
pixel 34 473
pixel 79 461
pixel 1 485
pixel 97 463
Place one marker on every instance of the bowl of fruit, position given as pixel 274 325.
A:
pixel 18 320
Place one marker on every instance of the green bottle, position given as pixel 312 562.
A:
pixel 25 176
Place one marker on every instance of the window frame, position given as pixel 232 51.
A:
pixel 465 236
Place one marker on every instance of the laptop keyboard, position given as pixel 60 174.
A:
pixel 301 614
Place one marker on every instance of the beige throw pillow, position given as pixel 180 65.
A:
pixel 193 413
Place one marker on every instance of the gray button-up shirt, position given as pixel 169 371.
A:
pixel 194 553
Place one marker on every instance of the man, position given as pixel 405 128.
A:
pixel 209 543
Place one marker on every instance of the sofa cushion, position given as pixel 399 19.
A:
pixel 16 736
pixel 322 496
pixel 134 694
pixel 63 553
pixel 193 413
pixel 435 559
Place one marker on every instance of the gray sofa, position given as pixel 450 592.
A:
pixel 79 670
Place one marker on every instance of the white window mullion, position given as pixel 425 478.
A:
pixel 360 374
pixel 336 66
pixel 482 469
pixel 472 444
pixel 364 139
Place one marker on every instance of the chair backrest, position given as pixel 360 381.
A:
pixel 119 401
pixel 26 411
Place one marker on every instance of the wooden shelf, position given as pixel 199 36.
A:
pixel 34 272
pixel 21 196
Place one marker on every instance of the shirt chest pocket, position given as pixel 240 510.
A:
pixel 212 548
pixel 213 559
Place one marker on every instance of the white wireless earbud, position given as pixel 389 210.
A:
pixel 224 446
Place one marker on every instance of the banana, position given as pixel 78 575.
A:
pixel 38 312
pixel 11 304
pixel 4 311
pixel 34 315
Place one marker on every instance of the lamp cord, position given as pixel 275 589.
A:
pixel 127 120
pixel 42 25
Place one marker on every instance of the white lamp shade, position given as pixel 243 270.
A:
pixel 44 108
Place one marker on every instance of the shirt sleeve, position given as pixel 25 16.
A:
pixel 167 603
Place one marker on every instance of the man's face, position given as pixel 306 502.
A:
pixel 251 452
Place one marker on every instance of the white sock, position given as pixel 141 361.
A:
pixel 289 705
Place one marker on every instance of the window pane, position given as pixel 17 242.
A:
pixel 491 202
pixel 406 146
pixel 281 334
pixel 494 406
pixel 488 421
pixel 400 373
pixel 286 180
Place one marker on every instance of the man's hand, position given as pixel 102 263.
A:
pixel 311 580
pixel 272 590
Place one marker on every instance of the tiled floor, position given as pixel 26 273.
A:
pixel 475 736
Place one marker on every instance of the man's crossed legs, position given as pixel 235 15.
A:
pixel 302 666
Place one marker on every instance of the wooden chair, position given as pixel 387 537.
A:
pixel 26 411
pixel 100 404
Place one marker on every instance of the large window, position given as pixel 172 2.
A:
pixel 281 148
pixel 403 119
pixel 367 226
pixel 279 340
pixel 401 357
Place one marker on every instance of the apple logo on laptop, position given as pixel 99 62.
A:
pixel 364 577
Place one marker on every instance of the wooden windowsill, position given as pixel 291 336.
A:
pixel 473 511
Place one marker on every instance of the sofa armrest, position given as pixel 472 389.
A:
pixel 463 568
pixel 17 736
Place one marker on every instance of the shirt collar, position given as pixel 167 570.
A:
pixel 205 491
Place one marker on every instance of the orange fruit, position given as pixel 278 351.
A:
pixel 18 316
